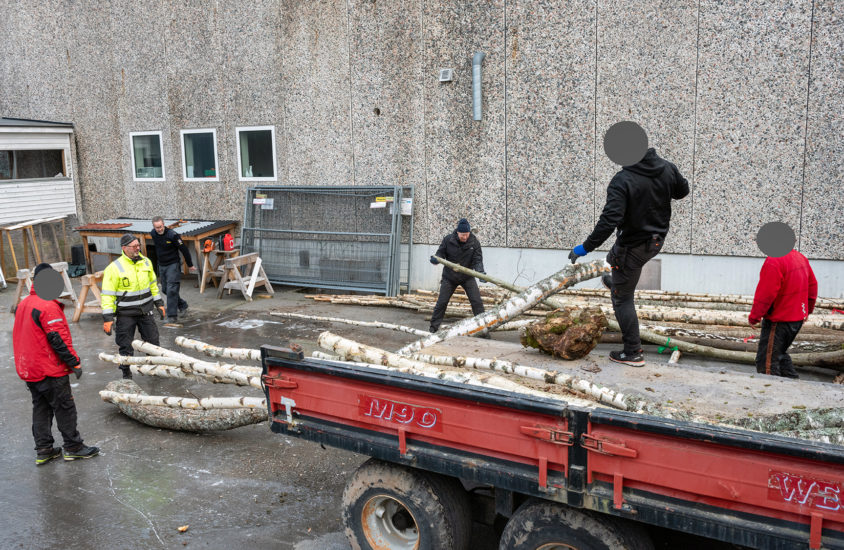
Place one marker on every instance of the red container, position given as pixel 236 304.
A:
pixel 228 242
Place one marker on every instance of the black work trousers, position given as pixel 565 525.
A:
pixel 447 288
pixel 771 356
pixel 170 277
pixel 125 331
pixel 52 397
pixel 627 264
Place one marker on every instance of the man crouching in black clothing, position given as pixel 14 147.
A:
pixel 460 247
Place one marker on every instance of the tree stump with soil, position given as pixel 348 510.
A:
pixel 569 333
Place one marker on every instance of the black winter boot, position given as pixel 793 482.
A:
pixel 81 453
pixel 43 456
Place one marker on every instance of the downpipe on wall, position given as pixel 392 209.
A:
pixel 477 59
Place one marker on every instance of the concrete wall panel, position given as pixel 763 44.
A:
pixel 646 73
pixel 821 227
pixel 387 80
pixel 316 82
pixel 751 109
pixel 550 60
pixel 464 157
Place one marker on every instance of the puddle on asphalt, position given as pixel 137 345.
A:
pixel 247 324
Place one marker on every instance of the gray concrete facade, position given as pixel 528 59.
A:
pixel 745 97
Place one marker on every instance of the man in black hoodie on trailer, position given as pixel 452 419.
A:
pixel 460 247
pixel 638 208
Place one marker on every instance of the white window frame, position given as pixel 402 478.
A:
pixel 132 154
pixel 213 132
pixel 240 175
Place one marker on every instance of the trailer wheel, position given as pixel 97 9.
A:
pixel 544 525
pixel 391 507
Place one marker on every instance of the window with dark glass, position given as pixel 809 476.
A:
pixel 32 164
pixel 200 154
pixel 256 152
pixel 147 159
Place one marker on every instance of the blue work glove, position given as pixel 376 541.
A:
pixel 577 252
pixel 434 260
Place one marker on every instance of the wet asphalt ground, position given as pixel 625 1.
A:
pixel 247 487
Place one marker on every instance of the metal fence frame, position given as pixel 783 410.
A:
pixel 400 237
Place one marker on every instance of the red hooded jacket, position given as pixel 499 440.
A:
pixel 787 290
pixel 41 339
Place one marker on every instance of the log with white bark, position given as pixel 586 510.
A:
pixel 706 339
pixel 672 296
pixel 516 325
pixel 205 403
pixel 151 349
pixel 833 360
pixel 356 351
pixel 168 368
pixel 192 420
pixel 377 324
pixel 216 351
pixel 483 323
pixel 599 393
pixel 148 360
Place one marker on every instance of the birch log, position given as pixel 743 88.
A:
pixel 216 351
pixel 152 349
pixel 356 351
pixel 801 346
pixel 167 368
pixel 833 360
pixel 483 323
pixel 673 296
pixel 190 420
pixel 205 403
pixel 377 324
pixel 599 393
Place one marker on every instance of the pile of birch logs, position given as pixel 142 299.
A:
pixel 492 373
pixel 712 325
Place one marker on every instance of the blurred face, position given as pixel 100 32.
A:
pixel 133 249
pixel 159 227
pixel 463 236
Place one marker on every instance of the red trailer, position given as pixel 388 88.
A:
pixel 565 476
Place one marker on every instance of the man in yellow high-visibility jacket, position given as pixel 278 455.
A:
pixel 130 295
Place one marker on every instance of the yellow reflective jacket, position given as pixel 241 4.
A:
pixel 129 288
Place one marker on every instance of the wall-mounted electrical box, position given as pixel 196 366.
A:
pixel 446 75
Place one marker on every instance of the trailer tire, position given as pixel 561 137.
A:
pixel 388 506
pixel 548 525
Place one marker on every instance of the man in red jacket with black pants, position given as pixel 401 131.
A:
pixel 785 296
pixel 44 359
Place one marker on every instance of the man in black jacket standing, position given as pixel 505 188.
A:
pixel 638 208
pixel 168 243
pixel 460 247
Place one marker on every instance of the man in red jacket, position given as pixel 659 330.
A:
pixel 44 359
pixel 785 296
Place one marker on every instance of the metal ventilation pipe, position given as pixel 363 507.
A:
pixel 476 84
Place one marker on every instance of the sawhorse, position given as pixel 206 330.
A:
pixel 232 278
pixel 25 282
pixel 90 283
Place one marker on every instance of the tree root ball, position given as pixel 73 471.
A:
pixel 568 333
pixel 185 420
